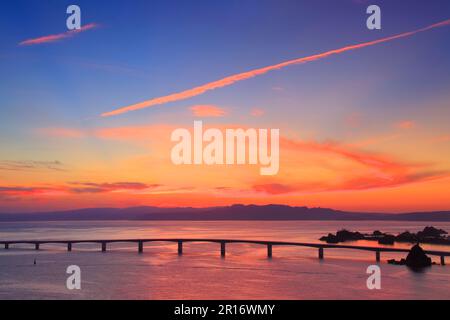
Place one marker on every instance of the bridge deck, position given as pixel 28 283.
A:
pixel 180 241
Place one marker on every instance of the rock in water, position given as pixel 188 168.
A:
pixel 417 258
pixel 331 238
pixel 401 262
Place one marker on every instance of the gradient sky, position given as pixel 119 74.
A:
pixel 364 130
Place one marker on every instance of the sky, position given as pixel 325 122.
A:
pixel 86 116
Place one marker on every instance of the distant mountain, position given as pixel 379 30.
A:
pixel 234 212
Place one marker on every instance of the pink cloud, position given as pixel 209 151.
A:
pixel 207 111
pixel 274 188
pixel 256 112
pixel 354 120
pixel 441 138
pixel 57 37
pixel 405 124
pixel 29 191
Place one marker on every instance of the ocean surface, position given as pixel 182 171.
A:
pixel 200 273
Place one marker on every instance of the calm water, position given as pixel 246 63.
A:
pixel 245 273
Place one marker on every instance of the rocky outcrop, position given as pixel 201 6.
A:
pixel 416 259
pixel 386 239
pixel 342 236
pixel 330 238
pixel 429 234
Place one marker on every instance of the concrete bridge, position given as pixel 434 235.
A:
pixel 269 244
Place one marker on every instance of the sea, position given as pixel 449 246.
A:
pixel 200 272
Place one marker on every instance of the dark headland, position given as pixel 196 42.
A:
pixel 233 212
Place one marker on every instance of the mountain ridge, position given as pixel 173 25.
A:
pixel 269 212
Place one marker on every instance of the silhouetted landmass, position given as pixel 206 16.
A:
pixel 416 259
pixel 234 212
pixel 429 234
pixel 342 236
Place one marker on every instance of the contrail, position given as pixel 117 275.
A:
pixel 59 36
pixel 253 73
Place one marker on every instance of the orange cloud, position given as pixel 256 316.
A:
pixel 134 133
pixel 207 111
pixel 405 124
pixel 57 37
pixel 375 140
pixel 61 132
pixel 381 170
pixel 227 81
pixel 306 166
pixel 335 148
pixel 441 138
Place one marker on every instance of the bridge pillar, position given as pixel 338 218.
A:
pixel 442 261
pixel 103 246
pixel 320 253
pixel 6 246
pixel 269 250
pixel 222 248
pixel 377 256
pixel 69 246
pixel 140 246
pixel 180 248
pixel 36 246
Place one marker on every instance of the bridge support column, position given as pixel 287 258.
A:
pixel 180 248
pixel 377 256
pixel 442 261
pixel 69 246
pixel 6 246
pixel 269 250
pixel 103 246
pixel 222 249
pixel 140 246
pixel 320 253
pixel 36 246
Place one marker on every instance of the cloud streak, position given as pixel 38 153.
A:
pixel 207 111
pixel 76 188
pixel 227 81
pixel 91 187
pixel 381 171
pixel 31 165
pixel 57 37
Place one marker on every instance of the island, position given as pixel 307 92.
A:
pixel 429 234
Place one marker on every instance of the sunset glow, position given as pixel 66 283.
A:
pixel 363 128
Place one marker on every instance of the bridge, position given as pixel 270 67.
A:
pixel 223 242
